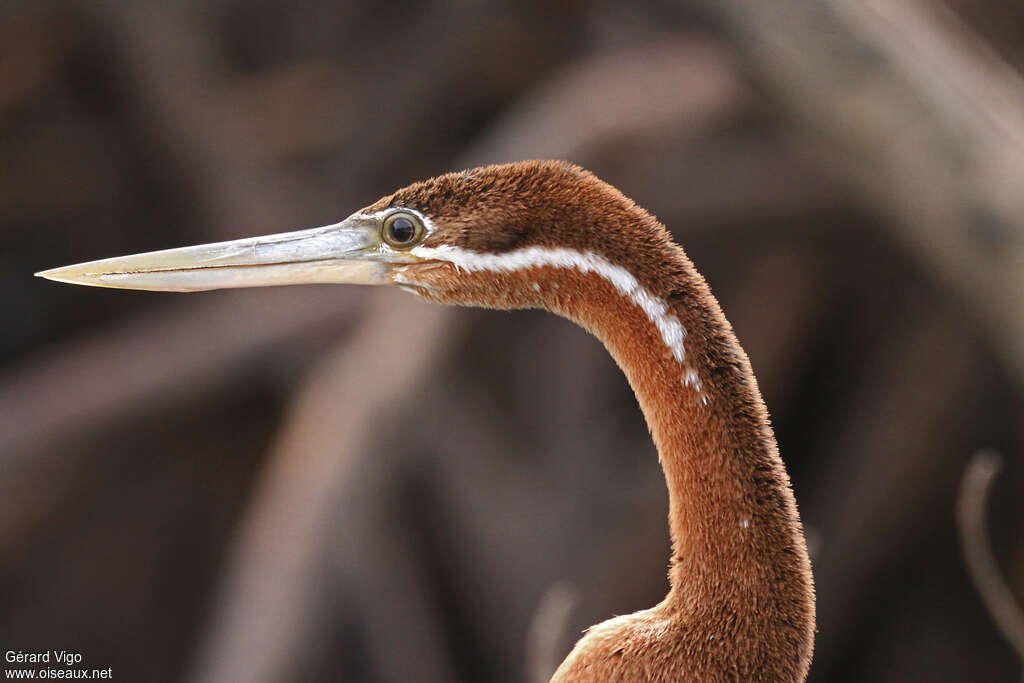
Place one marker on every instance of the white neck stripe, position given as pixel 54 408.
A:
pixel 671 330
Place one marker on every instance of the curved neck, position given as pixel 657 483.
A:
pixel 739 557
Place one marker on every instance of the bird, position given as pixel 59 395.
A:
pixel 552 235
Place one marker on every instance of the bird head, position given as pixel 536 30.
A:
pixel 476 237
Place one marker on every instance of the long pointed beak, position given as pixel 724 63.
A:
pixel 348 253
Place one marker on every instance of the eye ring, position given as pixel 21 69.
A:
pixel 402 230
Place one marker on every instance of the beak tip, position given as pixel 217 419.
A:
pixel 65 275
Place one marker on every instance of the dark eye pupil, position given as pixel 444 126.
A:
pixel 402 230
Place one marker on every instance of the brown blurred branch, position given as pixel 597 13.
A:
pixel 548 628
pixel 582 106
pixel 682 91
pixel 910 107
pixel 266 598
pixel 171 351
pixel 181 82
pixel 982 469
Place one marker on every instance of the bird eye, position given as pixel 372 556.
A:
pixel 403 230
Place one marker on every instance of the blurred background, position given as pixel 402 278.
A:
pixel 325 484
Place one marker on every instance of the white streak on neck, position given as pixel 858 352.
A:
pixel 672 331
